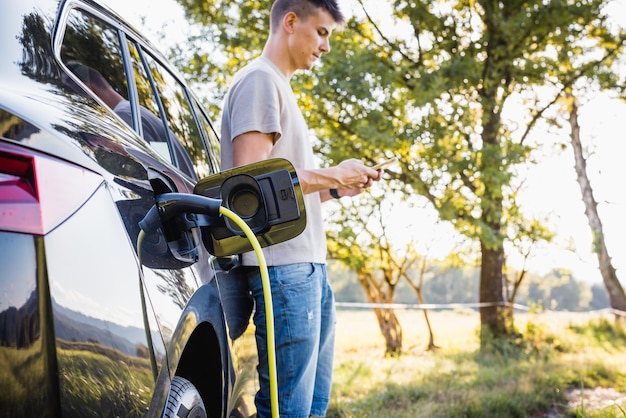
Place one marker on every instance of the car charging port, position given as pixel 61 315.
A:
pixel 180 216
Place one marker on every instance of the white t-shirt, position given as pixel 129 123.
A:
pixel 261 99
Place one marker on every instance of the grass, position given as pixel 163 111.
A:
pixel 536 376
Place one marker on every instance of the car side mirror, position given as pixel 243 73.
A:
pixel 266 195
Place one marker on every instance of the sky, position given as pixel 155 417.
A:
pixel 551 190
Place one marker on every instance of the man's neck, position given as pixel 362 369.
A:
pixel 275 53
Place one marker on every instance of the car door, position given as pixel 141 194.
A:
pixel 176 146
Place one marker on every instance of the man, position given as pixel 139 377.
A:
pixel 261 120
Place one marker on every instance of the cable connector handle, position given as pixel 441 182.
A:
pixel 169 205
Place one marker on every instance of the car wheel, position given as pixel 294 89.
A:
pixel 184 400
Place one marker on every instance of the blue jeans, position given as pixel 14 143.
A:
pixel 304 321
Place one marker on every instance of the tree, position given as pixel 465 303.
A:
pixel 432 88
pixel 417 288
pixel 568 294
pixel 358 239
pixel 617 297
pixel 599 297
pixel 578 77
pixel 525 237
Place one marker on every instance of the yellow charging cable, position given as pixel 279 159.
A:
pixel 269 310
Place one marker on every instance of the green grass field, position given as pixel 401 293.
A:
pixel 566 365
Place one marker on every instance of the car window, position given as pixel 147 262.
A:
pixel 148 98
pixel 183 147
pixel 211 138
pixel 89 43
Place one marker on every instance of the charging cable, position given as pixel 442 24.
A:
pixel 195 203
pixel 269 309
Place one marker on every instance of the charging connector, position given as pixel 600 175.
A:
pixel 169 205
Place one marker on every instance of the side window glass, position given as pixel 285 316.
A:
pixel 178 113
pixel 210 136
pixel 154 128
pixel 91 50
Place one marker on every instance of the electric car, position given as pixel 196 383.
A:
pixel 95 125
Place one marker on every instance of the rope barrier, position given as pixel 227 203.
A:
pixel 425 306
pixel 618 312
pixel 445 306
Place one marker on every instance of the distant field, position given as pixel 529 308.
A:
pixel 358 329
pixel 545 379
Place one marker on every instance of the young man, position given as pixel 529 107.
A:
pixel 261 120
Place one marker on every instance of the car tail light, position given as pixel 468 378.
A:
pixel 37 192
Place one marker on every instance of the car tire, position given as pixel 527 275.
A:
pixel 183 400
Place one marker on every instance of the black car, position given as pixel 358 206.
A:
pixel 96 131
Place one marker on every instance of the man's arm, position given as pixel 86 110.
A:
pixel 252 147
pixel 350 176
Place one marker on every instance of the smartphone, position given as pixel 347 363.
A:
pixel 385 164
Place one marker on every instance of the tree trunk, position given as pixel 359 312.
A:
pixel 491 316
pixel 508 311
pixel 388 322
pixel 417 288
pixel 431 337
pixel 391 330
pixel 617 297
pixel 492 323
